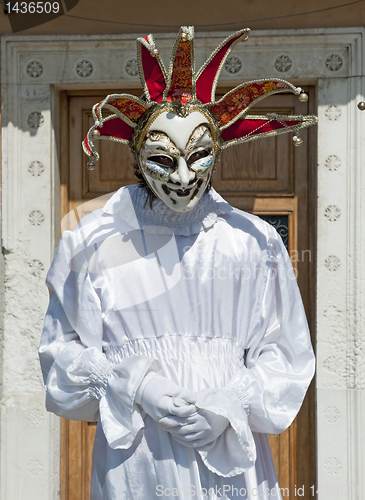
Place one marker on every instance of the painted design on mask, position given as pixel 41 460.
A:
pixel 201 151
pixel 178 166
pixel 158 155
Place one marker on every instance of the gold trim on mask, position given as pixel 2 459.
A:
pixel 153 113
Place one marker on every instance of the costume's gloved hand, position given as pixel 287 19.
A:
pixel 197 430
pixel 159 397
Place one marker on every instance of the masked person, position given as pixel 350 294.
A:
pixel 174 319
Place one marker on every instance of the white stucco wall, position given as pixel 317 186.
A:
pixel 33 70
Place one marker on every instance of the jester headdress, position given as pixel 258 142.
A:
pixel 125 118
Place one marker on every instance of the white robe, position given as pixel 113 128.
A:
pixel 208 299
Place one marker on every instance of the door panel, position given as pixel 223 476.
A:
pixel 252 168
pixel 267 177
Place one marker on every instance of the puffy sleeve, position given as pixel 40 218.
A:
pixel 80 381
pixel 266 394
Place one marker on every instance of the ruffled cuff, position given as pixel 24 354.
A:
pixel 99 377
pixel 241 396
pixel 76 381
pixel 120 415
pixel 266 412
pixel 236 444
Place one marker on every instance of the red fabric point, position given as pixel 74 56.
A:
pixel 205 81
pixel 243 128
pixel 116 128
pixel 153 75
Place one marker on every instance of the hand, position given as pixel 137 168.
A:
pixel 196 430
pixel 160 397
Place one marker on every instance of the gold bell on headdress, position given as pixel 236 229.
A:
pixel 297 141
pixel 96 133
pixel 154 52
pixel 303 97
pixel 361 105
pixel 90 165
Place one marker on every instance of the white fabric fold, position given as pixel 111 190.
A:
pixel 120 415
pixel 280 363
pixel 235 444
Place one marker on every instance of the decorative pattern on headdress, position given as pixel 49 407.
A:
pixel 181 87
pixel 126 111
pixel 239 100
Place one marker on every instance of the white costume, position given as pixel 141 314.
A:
pixel 215 308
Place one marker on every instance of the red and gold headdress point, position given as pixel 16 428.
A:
pixel 180 89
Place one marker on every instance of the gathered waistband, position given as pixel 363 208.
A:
pixel 212 351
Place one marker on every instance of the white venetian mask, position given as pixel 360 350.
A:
pixel 177 159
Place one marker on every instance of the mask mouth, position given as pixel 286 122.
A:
pixel 182 193
pixel 185 191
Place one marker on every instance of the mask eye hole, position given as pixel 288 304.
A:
pixel 198 155
pixel 166 161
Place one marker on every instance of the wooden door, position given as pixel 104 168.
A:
pixel 268 177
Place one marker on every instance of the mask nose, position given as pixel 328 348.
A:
pixel 182 174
